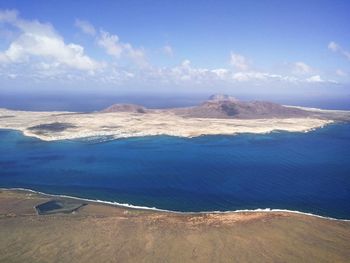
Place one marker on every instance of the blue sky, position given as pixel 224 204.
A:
pixel 253 47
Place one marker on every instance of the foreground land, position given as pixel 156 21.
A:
pixel 103 233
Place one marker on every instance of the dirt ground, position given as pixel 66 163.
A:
pixel 103 233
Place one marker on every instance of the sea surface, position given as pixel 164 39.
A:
pixel 95 102
pixel 307 172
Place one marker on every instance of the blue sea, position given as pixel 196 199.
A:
pixel 307 172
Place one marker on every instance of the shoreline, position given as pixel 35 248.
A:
pixel 51 126
pixel 99 232
pixel 100 134
pixel 105 138
pixel 154 209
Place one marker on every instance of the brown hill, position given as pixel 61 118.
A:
pixel 125 108
pixel 223 107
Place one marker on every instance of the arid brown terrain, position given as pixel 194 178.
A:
pixel 103 233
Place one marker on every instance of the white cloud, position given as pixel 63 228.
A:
pixel 37 52
pixel 334 47
pixel 182 72
pixel 40 41
pixel 239 61
pixel 185 72
pixel 113 47
pixel 186 64
pixel 245 76
pixel 315 79
pixel 221 73
pixel 136 54
pixel 302 68
pixel 168 50
pixel 85 27
pixel 12 76
pixel 340 73
pixel 110 43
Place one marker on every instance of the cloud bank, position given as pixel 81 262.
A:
pixel 40 41
pixel 37 52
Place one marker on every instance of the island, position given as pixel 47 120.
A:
pixel 219 115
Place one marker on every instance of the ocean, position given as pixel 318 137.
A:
pixel 96 102
pixel 307 172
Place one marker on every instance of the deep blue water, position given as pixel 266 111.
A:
pixel 308 172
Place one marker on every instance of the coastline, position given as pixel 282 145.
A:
pixel 51 126
pixel 103 138
pixel 99 232
pixel 154 209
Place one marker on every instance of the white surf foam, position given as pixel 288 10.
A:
pixel 260 210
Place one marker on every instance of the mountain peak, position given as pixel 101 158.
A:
pixel 125 108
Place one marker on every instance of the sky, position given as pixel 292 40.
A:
pixel 275 48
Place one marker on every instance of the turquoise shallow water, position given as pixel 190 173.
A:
pixel 308 172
